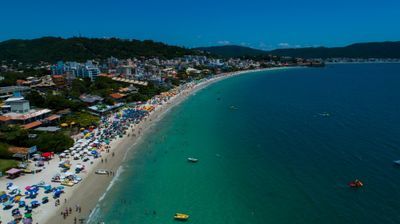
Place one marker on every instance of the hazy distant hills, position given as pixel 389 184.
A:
pixel 359 50
pixel 52 49
pixel 232 51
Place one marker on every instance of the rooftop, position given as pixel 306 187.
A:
pixel 48 129
pixel 32 125
pixel 17 116
pixel 8 89
pixel 90 98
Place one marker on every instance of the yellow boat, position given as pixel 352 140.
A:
pixel 180 216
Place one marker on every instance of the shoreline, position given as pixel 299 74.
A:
pixel 94 187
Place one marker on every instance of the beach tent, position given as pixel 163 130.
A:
pixel 13 173
pixel 47 154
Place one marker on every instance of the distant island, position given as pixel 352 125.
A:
pixel 358 50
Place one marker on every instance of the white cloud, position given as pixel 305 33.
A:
pixel 284 45
pixel 224 42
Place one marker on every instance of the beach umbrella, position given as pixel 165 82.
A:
pixel 35 203
pixel 28 215
pixel 21 203
pixel 15 211
pixel 17 198
pixel 8 205
pixel 3 197
pixel 27 220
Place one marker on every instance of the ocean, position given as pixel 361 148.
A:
pixel 273 147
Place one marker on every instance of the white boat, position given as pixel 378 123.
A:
pixel 101 172
pixel 193 160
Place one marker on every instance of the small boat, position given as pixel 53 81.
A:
pixel 324 114
pixel 101 172
pixel 181 216
pixel 193 160
pixel 397 162
pixel 356 184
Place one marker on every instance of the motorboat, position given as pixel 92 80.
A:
pixel 181 216
pixel 101 172
pixel 356 184
pixel 193 160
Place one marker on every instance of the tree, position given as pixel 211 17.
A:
pixel 36 99
pixel 82 119
pixel 78 87
pixel 4 153
pixel 13 135
pixel 52 142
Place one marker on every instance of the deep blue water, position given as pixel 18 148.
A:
pixel 274 158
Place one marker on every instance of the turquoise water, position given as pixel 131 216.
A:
pixel 275 158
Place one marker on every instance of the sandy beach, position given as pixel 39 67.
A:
pixel 90 190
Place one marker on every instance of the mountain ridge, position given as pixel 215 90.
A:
pixel 387 49
pixel 52 49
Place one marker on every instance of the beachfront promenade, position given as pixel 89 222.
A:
pixel 69 180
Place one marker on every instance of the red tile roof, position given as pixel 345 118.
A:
pixel 117 95
pixel 53 117
pixel 4 118
pixel 32 125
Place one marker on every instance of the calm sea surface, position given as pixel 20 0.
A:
pixel 273 147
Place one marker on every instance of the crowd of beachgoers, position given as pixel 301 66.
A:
pixel 53 174
pixel 36 197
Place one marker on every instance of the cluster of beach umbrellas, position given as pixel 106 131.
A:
pixel 15 201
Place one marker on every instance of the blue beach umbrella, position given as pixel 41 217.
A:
pixel 22 203
pixel 35 204
pixel 8 205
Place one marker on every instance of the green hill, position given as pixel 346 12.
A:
pixel 52 49
pixel 359 50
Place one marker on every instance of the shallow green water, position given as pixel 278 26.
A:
pixel 275 158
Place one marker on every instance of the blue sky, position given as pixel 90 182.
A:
pixel 261 24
